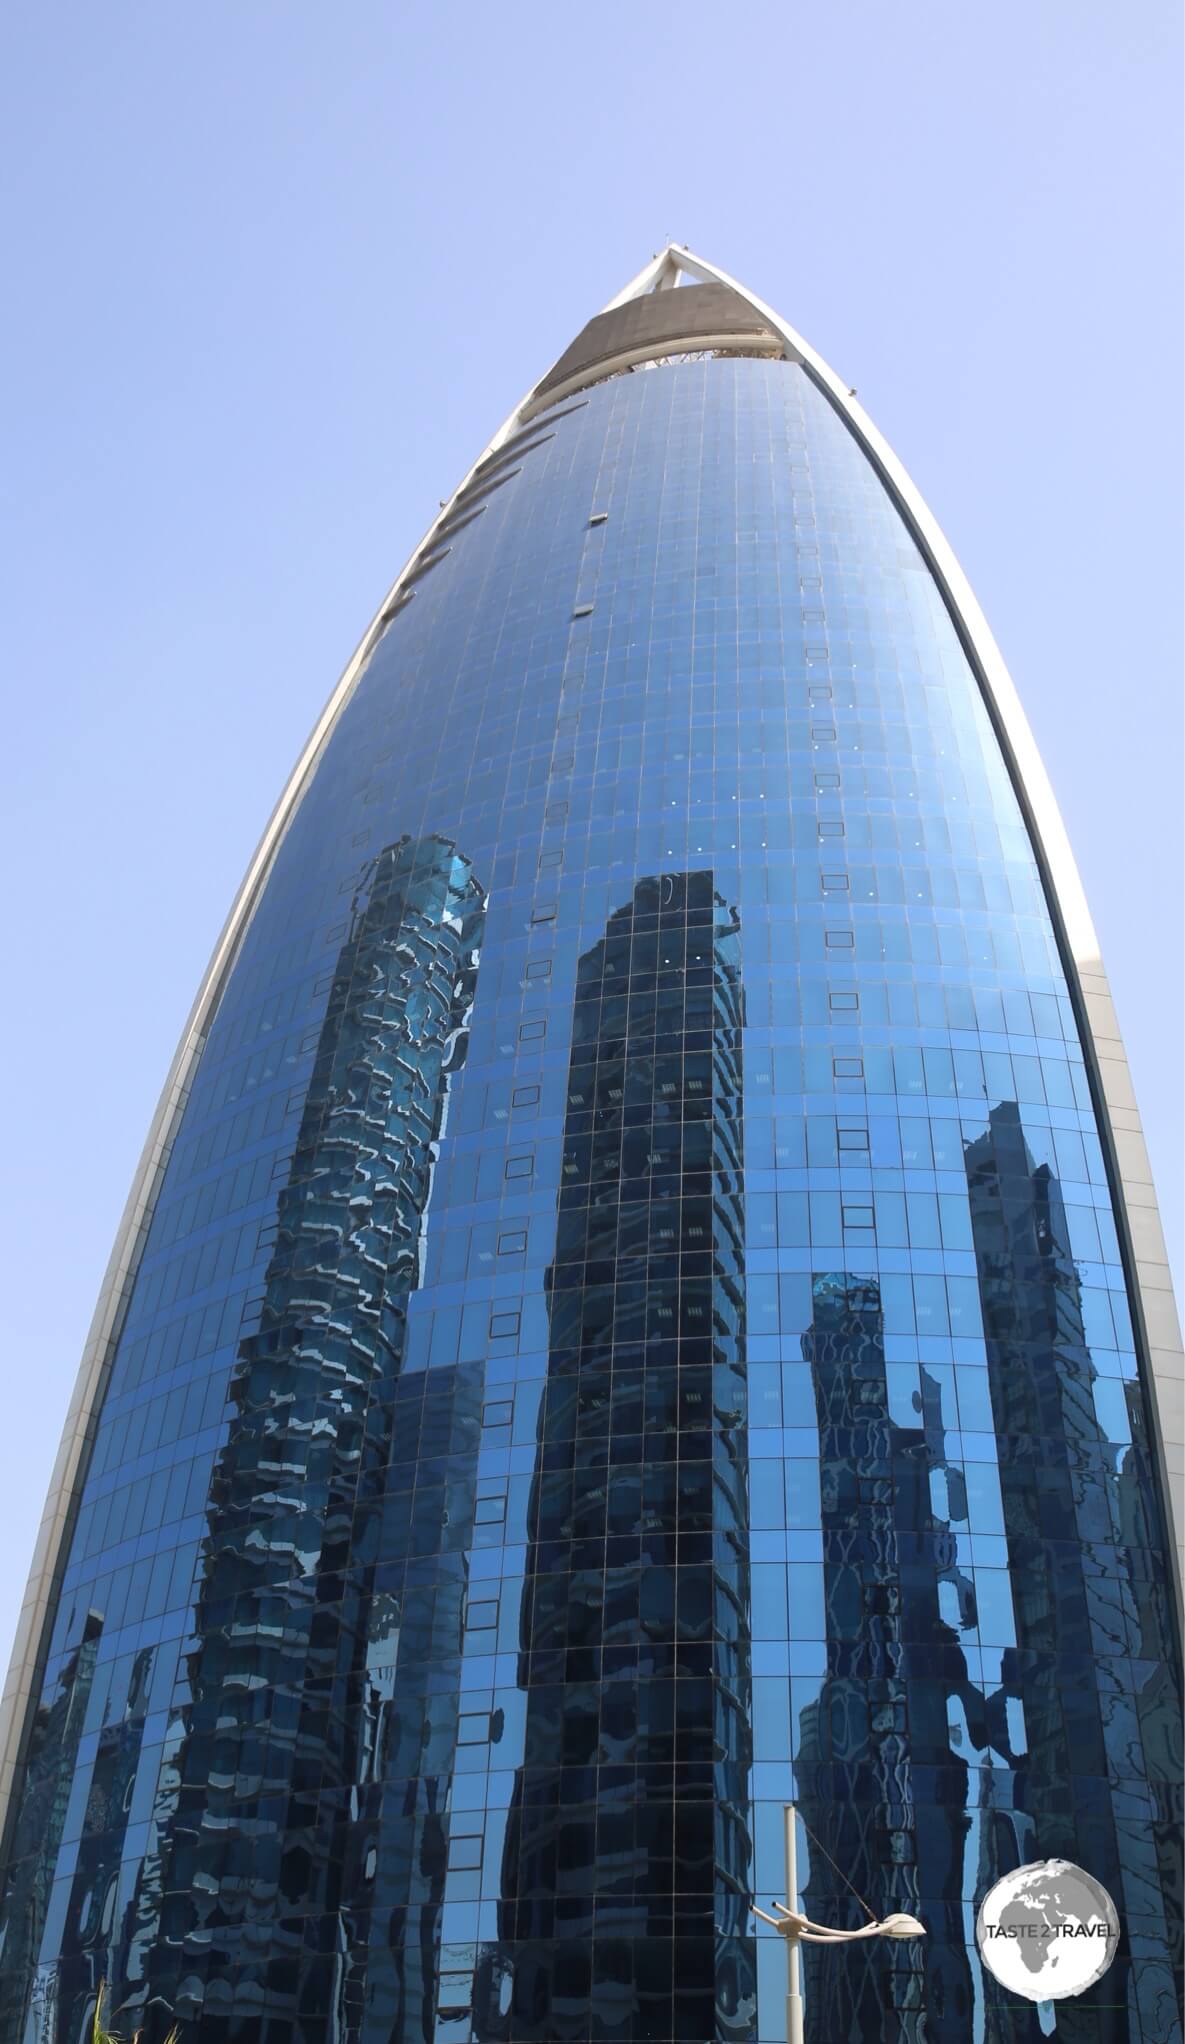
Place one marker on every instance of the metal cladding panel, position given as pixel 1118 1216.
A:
pixel 680 320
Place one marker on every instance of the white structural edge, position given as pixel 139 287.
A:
pixel 1139 1218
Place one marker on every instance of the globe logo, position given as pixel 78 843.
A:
pixel 1047 1930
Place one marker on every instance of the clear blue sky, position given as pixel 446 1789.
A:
pixel 274 274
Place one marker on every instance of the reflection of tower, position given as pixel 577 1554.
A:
pixel 51 1763
pixel 626 1867
pixel 1082 1537
pixel 1144 1727
pixel 878 1782
pixel 97 1894
pixel 277 1724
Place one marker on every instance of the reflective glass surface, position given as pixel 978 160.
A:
pixel 633 1332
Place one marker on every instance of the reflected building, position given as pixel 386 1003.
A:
pixel 630 1314
pixel 52 1757
pixel 627 1863
pixel 284 1701
pixel 1093 1625
pixel 881 1787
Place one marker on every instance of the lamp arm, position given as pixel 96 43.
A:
pixel 821 1933
pixel 793 1924
pixel 818 1934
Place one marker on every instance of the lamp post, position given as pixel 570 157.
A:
pixel 798 1929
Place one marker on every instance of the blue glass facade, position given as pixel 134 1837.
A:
pixel 633 1331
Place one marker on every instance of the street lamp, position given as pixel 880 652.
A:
pixel 798 1929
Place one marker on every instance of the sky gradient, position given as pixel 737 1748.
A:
pixel 277 272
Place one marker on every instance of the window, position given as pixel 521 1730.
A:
pixel 504 1326
pixel 521 1166
pixel 482 1616
pixel 491 1510
pixel 555 812
pixel 555 857
pixel 543 912
pixel 895 1848
pixel 598 518
pixel 524 1096
pixel 539 968
pixel 497 1412
pixel 853 1137
pixel 839 940
pixel 531 1032
pixel 473 1728
pixel 819 692
pixel 583 610
pixel 857 1217
pixel 897 1989
pixel 464 1853
pixel 454 1996
pixel 842 1003
pixel 831 826
pixel 834 883
pixel 826 780
pixel 512 1242
pixel 848 1067
pixel 822 734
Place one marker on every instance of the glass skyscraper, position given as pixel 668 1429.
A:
pixel 642 1303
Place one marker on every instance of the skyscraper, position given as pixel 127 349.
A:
pixel 643 1302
